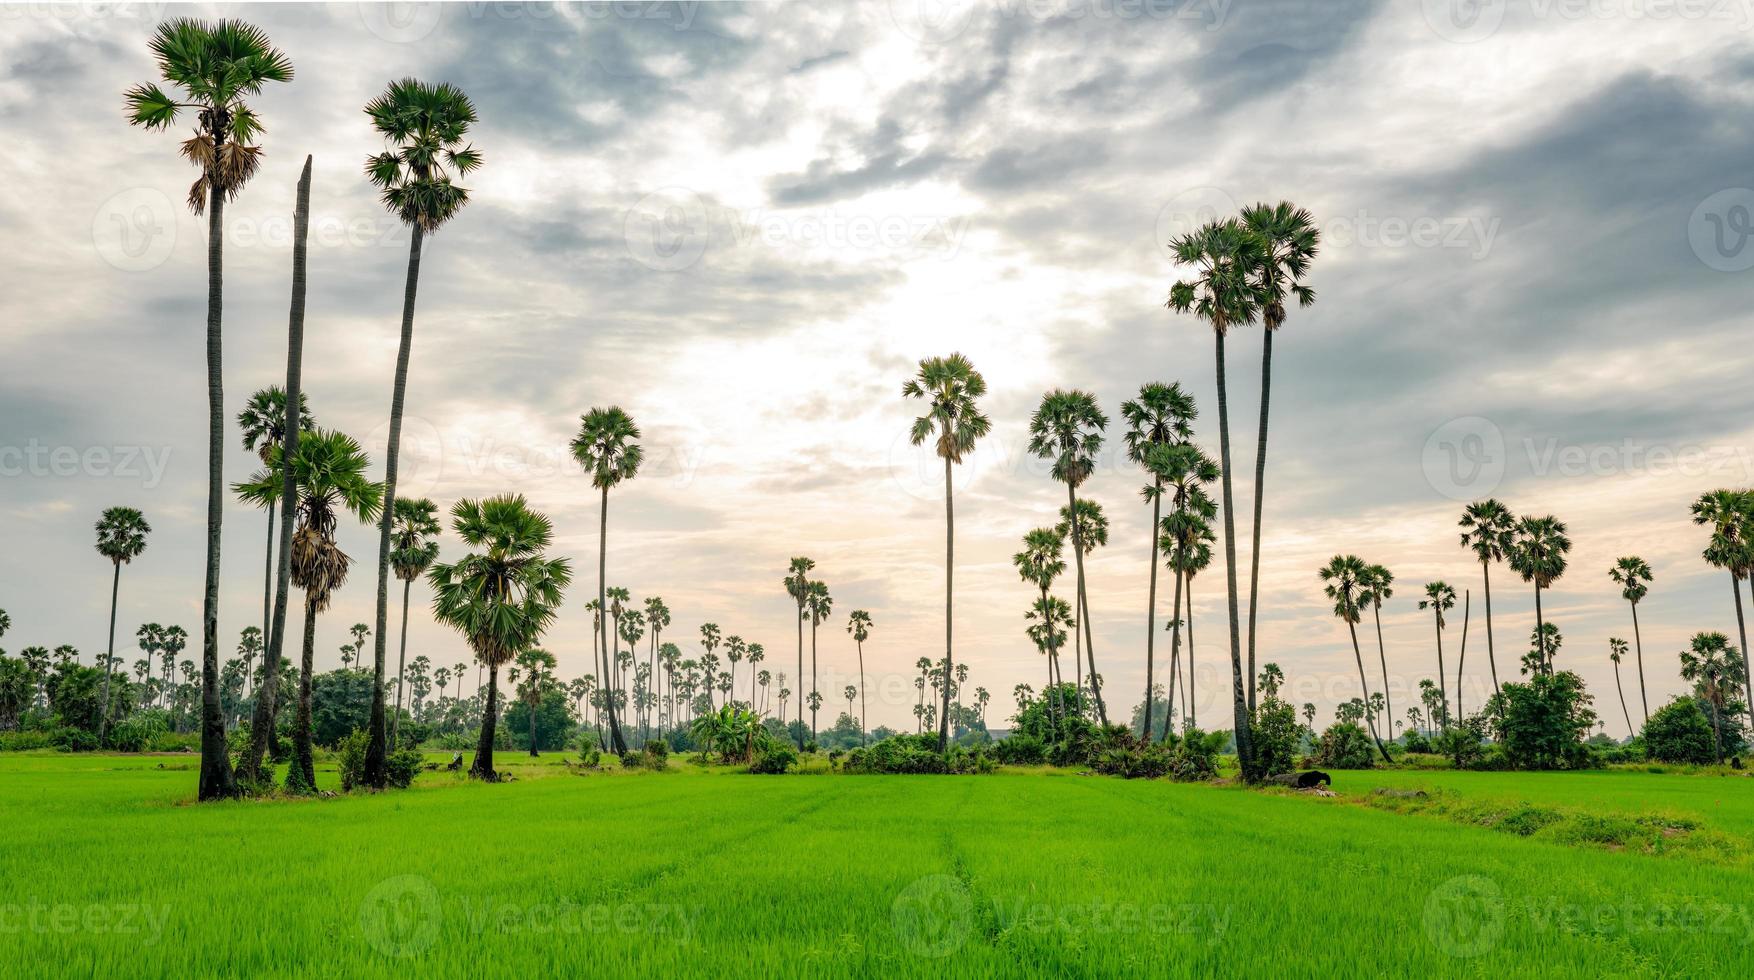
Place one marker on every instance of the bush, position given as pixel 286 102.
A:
pixel 777 758
pixel 136 732
pixel 1542 723
pixel 1463 742
pixel 1021 750
pixel 655 756
pixel 1415 741
pixel 1276 735
pixel 590 755
pixel 1345 746
pixel 402 766
pixel 1680 732
pixel 74 740
pixel 26 740
pixel 350 758
pixel 1193 756
pixel 917 754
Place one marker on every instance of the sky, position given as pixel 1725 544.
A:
pixel 745 225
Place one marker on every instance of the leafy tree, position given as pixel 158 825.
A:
pixel 1633 576
pixel 1066 430
pixel 538 669
pixel 121 537
pixel 1680 732
pixel 552 721
pixel 1716 678
pixel 949 386
pixel 1346 746
pixel 1730 514
pixel 1346 575
pixel 414 525
pixel 606 446
pixel 1543 722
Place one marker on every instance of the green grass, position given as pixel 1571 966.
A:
pixel 699 872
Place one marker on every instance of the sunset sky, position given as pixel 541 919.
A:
pixel 745 225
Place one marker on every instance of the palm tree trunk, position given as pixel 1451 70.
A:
pixel 263 718
pixel 103 720
pixel 1638 645
pixel 813 684
pixel 1742 632
pixel 949 575
pixel 1083 604
pixel 1462 658
pixel 1442 693
pixel 800 717
pixel 301 775
pixel 1260 479
pixel 375 753
pixel 1491 656
pixel 1388 702
pixel 1245 755
pixel 1151 605
pixel 1176 675
pixel 534 704
pixel 862 708
pixel 216 781
pixel 401 666
pixel 1369 718
pixel 482 767
pixel 1541 633
pixel 268 578
pixel 1622 691
pixel 615 738
pixel 1191 696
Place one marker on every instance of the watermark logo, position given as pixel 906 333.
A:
pixel 135 230
pixel 1720 229
pixel 401 22
pixel 420 454
pixel 1464 916
pixel 1463 458
pixel 1463 21
pixel 401 916
pixel 932 21
pixel 933 916
pixel 667 230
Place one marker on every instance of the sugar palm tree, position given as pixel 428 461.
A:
pixel 217 66
pixel 1066 430
pixel 1440 598
pixel 819 605
pixel 657 617
pixel 1183 469
pixel 1187 542
pixel 1288 241
pixel 1537 553
pixel 1377 584
pixel 537 666
pixel 710 638
pixel 1487 526
pixel 1051 621
pixel 1716 677
pixel 1633 576
pixel 1039 564
pixel 606 447
pixel 1161 417
pixel 329 473
pixel 1345 577
pixel 263 422
pixel 1093 530
pixel 425 128
pixel 416 525
pixel 501 596
pixel 949 386
pixel 1617 650
pixel 1731 548
pixel 735 648
pixel 756 655
pixel 798 587
pixel 1223 292
pixel 859 625
pixel 121 537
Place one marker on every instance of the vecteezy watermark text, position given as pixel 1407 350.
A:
pixel 36 459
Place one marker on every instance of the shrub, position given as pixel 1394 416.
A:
pixel 1021 750
pixel 1193 756
pixel 1542 723
pixel 1345 746
pixel 917 754
pixel 1463 742
pixel 1415 741
pixel 350 758
pixel 590 755
pixel 1276 735
pixel 777 758
pixel 1680 732
pixel 402 766
pixel 26 740
pixel 136 732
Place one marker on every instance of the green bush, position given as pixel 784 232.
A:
pixel 1193 755
pixel 1680 732
pixel 26 740
pixel 350 758
pixel 136 732
pixel 777 758
pixel 402 766
pixel 1277 736
pixel 1021 750
pixel 1542 723
pixel 590 754
pixel 1415 741
pixel 1345 746
pixel 1463 742
pixel 917 754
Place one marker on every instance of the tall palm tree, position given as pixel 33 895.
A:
pixel 606 447
pixel 329 473
pixel 1537 553
pixel 735 647
pixel 819 605
pixel 1487 526
pixel 757 653
pixel 262 724
pixel 425 128
pixel 1187 542
pixel 1093 530
pixel 798 587
pixel 859 625
pixel 1440 598
pixel 416 525
pixel 1288 241
pixel 263 422
pixel 657 617
pixel 121 537
pixel 1709 665
pixel 1067 431
pixel 1617 650
pixel 1377 584
pixel 1182 468
pixel 709 641
pixel 1224 293
pixel 1345 575
pixel 949 386
pixel 216 66
pixel 1162 416
pixel 1731 548
pixel 538 667
pixel 1039 564
pixel 1633 576
pixel 502 596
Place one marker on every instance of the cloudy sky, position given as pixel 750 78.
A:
pixel 746 224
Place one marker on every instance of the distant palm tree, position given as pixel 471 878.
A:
pixel 329 472
pixel 605 446
pixel 425 128
pixel 249 648
pixel 735 647
pixel 1051 620
pixel 1067 431
pixel 859 625
pixel 1728 512
pixel 415 525
pixel 757 653
pixel 798 587
pixel 1440 598
pixel 263 422
pixel 658 618
pixel 1377 584
pixel 121 537
pixel 1039 564
pixel 1717 679
pixel 1224 294
pixel 1633 576
pixel 216 65
pixel 1617 650
pixel 1161 417
pixel 1487 526
pixel 709 641
pixel 1181 534
pixel 1093 529
pixel 950 386
pixel 1345 577
pixel 818 604
pixel 1288 242
pixel 1537 553
pixel 502 596
pixel 537 665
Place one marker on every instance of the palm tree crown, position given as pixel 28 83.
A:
pixel 1538 553
pixel 263 420
pixel 426 126
pixel 329 470
pixel 1067 430
pixel 504 594
pixel 606 448
pixel 121 534
pixel 416 524
pixel 950 386
pixel 1633 576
